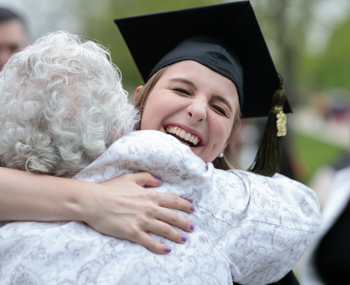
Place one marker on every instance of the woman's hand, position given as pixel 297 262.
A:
pixel 123 208
pixel 120 208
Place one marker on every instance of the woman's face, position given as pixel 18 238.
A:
pixel 196 105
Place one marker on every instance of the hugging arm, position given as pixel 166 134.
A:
pixel 120 208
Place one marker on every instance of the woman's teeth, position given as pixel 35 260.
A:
pixel 183 134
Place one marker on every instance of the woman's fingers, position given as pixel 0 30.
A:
pixel 170 217
pixel 160 204
pixel 145 240
pixel 126 209
pixel 162 229
pixel 174 202
pixel 163 199
pixel 143 179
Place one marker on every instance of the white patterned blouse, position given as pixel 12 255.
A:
pixel 249 228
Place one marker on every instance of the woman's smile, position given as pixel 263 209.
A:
pixel 196 105
pixel 187 137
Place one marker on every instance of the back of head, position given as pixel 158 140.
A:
pixel 61 106
pixel 8 15
pixel 13 34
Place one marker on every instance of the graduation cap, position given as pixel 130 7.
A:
pixel 226 38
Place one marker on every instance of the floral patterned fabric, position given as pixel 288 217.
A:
pixel 249 228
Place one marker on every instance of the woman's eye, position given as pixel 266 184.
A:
pixel 219 109
pixel 181 91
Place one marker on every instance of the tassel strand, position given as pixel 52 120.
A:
pixel 268 158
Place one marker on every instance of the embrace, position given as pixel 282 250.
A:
pixel 63 112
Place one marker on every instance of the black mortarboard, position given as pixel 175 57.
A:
pixel 224 37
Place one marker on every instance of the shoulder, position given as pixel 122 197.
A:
pixel 295 205
pixel 155 152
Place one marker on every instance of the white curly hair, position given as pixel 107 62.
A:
pixel 62 105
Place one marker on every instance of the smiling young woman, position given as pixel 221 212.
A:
pixel 184 99
pixel 202 109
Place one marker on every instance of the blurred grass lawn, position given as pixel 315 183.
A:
pixel 311 153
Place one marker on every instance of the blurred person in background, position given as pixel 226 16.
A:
pixel 13 36
pixel 329 258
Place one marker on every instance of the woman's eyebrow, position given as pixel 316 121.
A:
pixel 185 81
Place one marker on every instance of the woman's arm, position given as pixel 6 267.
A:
pixel 120 207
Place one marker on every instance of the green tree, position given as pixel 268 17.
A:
pixel 331 68
pixel 283 23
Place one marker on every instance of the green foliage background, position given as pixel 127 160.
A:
pixel 330 69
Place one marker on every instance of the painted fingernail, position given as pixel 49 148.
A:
pixel 191 226
pixel 167 249
pixel 192 208
pixel 184 238
pixel 158 179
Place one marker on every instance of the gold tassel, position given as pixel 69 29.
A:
pixel 268 158
pixel 281 123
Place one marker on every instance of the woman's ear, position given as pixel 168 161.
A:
pixel 137 91
pixel 226 144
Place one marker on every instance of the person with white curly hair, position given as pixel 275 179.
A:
pixel 62 105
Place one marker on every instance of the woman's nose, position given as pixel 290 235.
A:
pixel 197 111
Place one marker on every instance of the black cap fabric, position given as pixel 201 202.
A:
pixel 210 52
pixel 225 38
